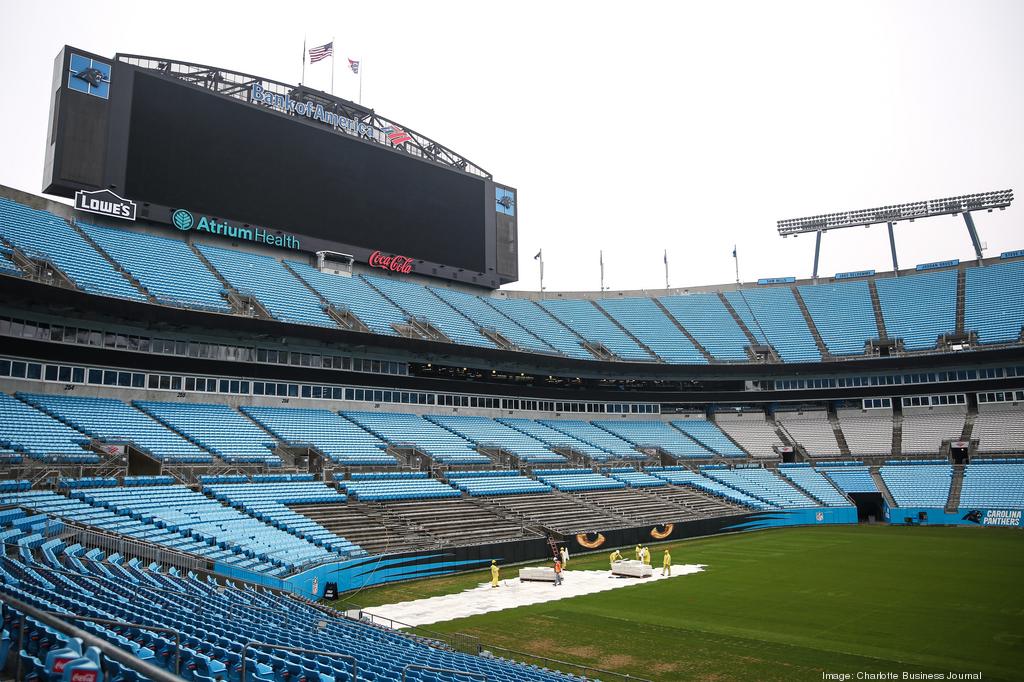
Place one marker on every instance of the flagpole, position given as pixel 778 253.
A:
pixel 303 79
pixel 540 257
pixel 666 268
pixel 737 259
pixel 601 257
pixel 332 64
pixel 362 67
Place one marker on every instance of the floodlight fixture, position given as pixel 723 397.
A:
pixel 985 201
pixel 890 215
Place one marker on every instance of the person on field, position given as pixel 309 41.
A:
pixel 647 556
pixel 613 557
pixel 639 553
pixel 565 556
pixel 495 573
pixel 558 572
pixel 666 564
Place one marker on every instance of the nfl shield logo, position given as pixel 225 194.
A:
pixel 820 516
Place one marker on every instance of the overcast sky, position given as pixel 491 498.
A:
pixel 628 127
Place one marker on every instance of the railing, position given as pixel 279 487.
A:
pixel 295 650
pixel 125 546
pixel 450 671
pixel 123 657
pixel 142 626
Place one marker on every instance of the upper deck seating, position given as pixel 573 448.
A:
pixel 355 295
pixel 336 437
pixel 40 234
pixel 772 313
pixel 167 268
pixel 268 281
pixel 647 322
pixel 843 315
pixel 589 322
pixel 487 317
pixel 540 323
pixel 709 322
pixel 994 302
pixel 918 308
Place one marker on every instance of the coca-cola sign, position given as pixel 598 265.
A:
pixel 401 264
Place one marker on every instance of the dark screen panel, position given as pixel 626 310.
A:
pixel 192 149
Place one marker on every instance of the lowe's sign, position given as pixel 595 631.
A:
pixel 309 109
pixel 186 220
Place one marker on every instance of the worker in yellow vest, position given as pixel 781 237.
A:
pixel 647 555
pixel 613 557
pixel 495 573
pixel 639 554
pixel 666 564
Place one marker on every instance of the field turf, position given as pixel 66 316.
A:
pixel 784 604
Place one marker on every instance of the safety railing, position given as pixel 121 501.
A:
pixel 450 671
pixel 295 650
pixel 57 622
pixel 141 626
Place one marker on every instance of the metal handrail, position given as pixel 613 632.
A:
pixel 109 650
pixel 232 605
pixel 135 595
pixel 413 666
pixel 155 628
pixel 298 650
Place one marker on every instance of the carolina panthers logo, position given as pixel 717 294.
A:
pixel 974 516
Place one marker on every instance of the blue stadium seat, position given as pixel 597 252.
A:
pixel 487 317
pixel 918 485
pixel 709 436
pixel 112 420
pixel 992 483
pixel 613 445
pixel 26 430
pixel 410 430
pixel 652 433
pixel 646 321
pixel 217 428
pixel 541 324
pixel 355 295
pixel 589 322
pixel 338 438
pixel 167 268
pixel 268 281
pixel 994 302
pixel 918 308
pixel 419 302
pixel 843 315
pixel 39 234
pixel 709 322
pixel 488 432
pixel 772 314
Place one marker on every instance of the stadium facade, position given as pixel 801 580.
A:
pixel 259 376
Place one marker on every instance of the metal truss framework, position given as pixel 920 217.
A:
pixel 964 204
pixel 239 86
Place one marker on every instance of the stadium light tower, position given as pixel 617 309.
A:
pixel 965 204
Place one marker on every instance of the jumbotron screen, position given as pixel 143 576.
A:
pixel 191 148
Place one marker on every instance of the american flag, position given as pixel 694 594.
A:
pixel 354 65
pixel 322 52
pixel 396 135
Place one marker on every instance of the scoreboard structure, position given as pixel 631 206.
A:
pixel 251 159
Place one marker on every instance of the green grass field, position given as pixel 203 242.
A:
pixel 782 604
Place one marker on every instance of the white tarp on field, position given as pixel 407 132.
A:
pixel 512 593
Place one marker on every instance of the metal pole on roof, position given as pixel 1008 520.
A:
pixel 817 252
pixel 974 234
pixel 892 247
